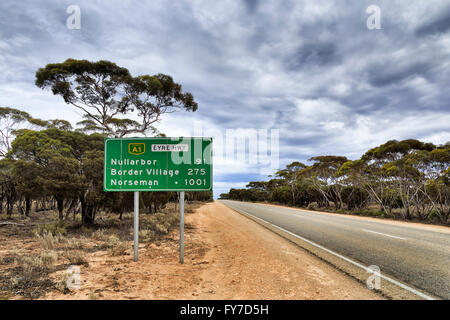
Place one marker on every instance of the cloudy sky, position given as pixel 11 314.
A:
pixel 310 69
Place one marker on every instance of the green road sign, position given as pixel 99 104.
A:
pixel 158 164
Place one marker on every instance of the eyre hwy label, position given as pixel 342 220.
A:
pixel 158 164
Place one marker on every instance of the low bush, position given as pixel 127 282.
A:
pixel 100 235
pixel 47 240
pixel 116 246
pixel 57 229
pixel 61 283
pixel 75 257
pixel 146 235
pixel 313 206
pixel 75 244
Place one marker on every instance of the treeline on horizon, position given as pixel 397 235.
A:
pixel 406 179
pixel 53 166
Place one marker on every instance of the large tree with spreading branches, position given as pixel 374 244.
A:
pixel 108 94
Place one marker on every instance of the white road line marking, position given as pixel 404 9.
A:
pixel 384 234
pixel 401 285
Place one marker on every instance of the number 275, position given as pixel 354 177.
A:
pixel 192 172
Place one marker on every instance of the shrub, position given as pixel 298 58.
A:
pixel 58 229
pixel 161 229
pixel 61 283
pixel 47 240
pixel 48 259
pixel 146 235
pixel 313 206
pixel 74 244
pixel 116 246
pixel 75 257
pixel 100 235
pixel 378 213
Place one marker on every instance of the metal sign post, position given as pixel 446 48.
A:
pixel 182 227
pixel 136 225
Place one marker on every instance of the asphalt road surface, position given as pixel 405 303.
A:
pixel 415 256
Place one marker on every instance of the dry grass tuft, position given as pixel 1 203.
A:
pixel 47 240
pixel 61 283
pixel 75 244
pixel 75 257
pixel 116 246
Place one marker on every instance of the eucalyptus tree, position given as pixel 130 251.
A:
pixel 259 189
pixel 390 168
pixel 432 187
pixel 54 168
pixel 325 178
pixel 106 94
pixel 28 182
pixel 291 175
pixel 8 190
pixel 10 120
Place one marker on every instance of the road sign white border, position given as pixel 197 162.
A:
pixel 155 190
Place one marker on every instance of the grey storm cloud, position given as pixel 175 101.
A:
pixel 439 24
pixel 311 55
pixel 387 74
pixel 312 69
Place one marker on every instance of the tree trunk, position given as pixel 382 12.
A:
pixel 60 206
pixel 27 206
pixel 9 208
pixel 89 216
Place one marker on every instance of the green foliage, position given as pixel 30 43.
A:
pixel 313 206
pixel 10 120
pixel 105 93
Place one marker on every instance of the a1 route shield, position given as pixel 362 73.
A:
pixel 158 164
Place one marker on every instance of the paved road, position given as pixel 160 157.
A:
pixel 418 257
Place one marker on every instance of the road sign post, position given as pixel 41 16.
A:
pixel 158 164
pixel 182 227
pixel 136 225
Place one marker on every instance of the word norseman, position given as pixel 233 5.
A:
pixel 141 183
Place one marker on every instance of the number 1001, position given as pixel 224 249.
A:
pixel 195 182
